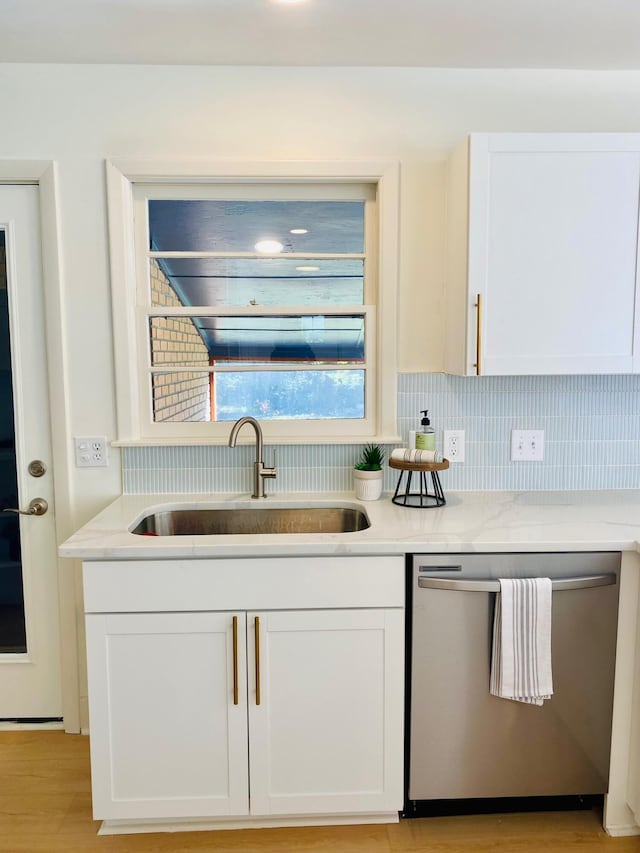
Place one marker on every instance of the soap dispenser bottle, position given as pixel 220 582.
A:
pixel 426 440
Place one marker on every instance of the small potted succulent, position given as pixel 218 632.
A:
pixel 368 473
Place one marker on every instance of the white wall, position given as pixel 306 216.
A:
pixel 80 115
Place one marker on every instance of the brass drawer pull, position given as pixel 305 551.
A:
pixel 235 660
pixel 257 647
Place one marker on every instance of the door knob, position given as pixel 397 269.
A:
pixel 38 506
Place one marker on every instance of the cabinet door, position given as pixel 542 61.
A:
pixel 326 736
pixel 553 250
pixel 167 739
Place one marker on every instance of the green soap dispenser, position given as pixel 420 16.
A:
pixel 426 440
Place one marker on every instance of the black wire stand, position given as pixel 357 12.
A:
pixel 423 498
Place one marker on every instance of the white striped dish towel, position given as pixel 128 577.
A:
pixel 521 653
pixel 404 454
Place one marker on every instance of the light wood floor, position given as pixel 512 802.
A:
pixel 45 807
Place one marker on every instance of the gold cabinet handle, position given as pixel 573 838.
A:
pixel 478 334
pixel 257 648
pixel 235 660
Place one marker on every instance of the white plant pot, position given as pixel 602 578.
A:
pixel 368 484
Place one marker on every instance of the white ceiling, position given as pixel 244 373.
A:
pixel 587 34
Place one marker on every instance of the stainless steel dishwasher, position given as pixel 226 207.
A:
pixel 464 742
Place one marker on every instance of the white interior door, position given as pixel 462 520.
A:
pixel 29 623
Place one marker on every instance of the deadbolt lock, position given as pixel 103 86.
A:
pixel 37 468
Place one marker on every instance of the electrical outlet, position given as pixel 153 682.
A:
pixel 91 452
pixel 527 445
pixel 454 445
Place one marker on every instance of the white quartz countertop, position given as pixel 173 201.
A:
pixel 470 521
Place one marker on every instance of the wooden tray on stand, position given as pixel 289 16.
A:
pixel 423 498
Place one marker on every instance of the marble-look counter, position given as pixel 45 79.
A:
pixel 470 521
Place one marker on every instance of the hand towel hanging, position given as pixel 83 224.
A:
pixel 521 653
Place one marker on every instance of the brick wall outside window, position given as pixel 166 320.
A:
pixel 183 396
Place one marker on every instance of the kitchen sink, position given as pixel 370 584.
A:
pixel 237 521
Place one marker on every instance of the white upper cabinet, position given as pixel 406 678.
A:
pixel 543 255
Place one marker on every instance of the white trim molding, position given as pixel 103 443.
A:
pixel 122 175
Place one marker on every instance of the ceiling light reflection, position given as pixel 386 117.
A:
pixel 268 247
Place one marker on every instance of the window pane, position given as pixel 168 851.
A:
pixel 226 282
pixel 269 395
pixel 275 395
pixel 199 341
pixel 236 226
pixel 13 637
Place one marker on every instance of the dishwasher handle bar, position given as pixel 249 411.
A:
pixel 557 585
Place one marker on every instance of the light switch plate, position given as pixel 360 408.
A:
pixel 527 445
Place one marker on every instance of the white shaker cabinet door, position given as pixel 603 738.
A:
pixel 325 724
pixel 167 739
pixel 553 251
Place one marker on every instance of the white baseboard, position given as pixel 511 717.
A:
pixel 121 827
pixel 16 727
pixel 619 831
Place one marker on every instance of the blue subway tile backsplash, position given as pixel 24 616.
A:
pixel 591 440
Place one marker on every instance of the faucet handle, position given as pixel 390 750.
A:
pixel 273 470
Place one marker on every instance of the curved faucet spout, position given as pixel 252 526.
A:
pixel 260 472
pixel 235 429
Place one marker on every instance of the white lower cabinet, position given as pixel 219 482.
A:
pixel 205 714
pixel 326 736
pixel 166 737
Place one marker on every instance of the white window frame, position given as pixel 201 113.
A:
pixel 134 412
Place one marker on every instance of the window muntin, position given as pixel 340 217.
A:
pixel 223 272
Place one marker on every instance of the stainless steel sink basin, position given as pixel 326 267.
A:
pixel 221 522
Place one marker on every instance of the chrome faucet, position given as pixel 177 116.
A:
pixel 260 473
